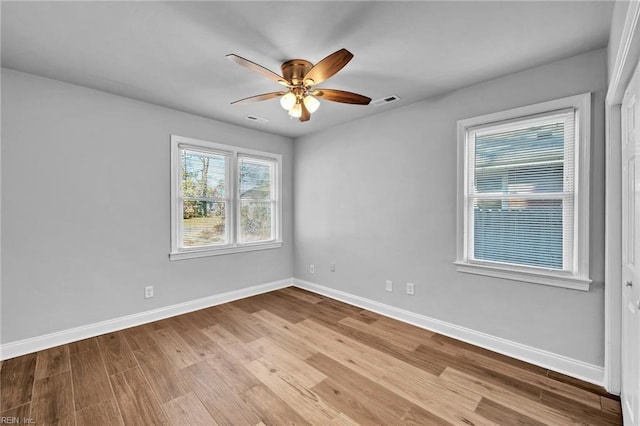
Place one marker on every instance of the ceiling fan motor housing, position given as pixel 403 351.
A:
pixel 295 70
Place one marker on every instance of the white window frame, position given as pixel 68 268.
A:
pixel 232 195
pixel 576 275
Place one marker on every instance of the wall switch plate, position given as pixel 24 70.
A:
pixel 332 267
pixel 411 289
pixel 312 269
pixel 148 292
pixel 388 285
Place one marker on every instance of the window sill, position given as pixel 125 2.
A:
pixel 206 252
pixel 526 275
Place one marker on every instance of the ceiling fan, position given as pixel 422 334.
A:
pixel 300 77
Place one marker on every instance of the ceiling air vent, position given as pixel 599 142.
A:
pixel 256 119
pixel 385 100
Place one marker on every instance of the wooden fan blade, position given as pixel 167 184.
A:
pixel 306 115
pixel 341 96
pixel 257 68
pixel 328 67
pixel 259 98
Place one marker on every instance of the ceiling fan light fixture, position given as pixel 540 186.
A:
pixel 296 111
pixel 311 103
pixel 288 101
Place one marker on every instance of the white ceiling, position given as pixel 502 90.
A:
pixel 173 53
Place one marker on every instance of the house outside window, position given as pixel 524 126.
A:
pixel 523 193
pixel 224 199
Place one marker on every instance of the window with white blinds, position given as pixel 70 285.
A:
pixel 224 199
pixel 522 197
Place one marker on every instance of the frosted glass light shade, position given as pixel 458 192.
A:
pixel 296 111
pixel 288 101
pixel 311 103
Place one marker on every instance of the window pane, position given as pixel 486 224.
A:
pixel 203 223
pixel 203 175
pixel 255 221
pixel 521 232
pixel 525 160
pixel 255 179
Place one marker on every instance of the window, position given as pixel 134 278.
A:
pixel 523 188
pixel 224 199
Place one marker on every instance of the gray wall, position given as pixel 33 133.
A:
pixel 378 198
pixel 85 208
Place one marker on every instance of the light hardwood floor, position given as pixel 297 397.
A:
pixel 289 357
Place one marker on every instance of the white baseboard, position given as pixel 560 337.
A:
pixel 34 344
pixel 559 363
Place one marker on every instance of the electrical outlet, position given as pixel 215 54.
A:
pixel 148 292
pixel 312 269
pixel 389 285
pixel 332 267
pixel 411 289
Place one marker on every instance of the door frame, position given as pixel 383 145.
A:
pixel 626 59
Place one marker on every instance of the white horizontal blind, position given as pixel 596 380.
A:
pixel 520 194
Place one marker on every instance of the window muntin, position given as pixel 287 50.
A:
pixel 224 199
pixel 525 173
